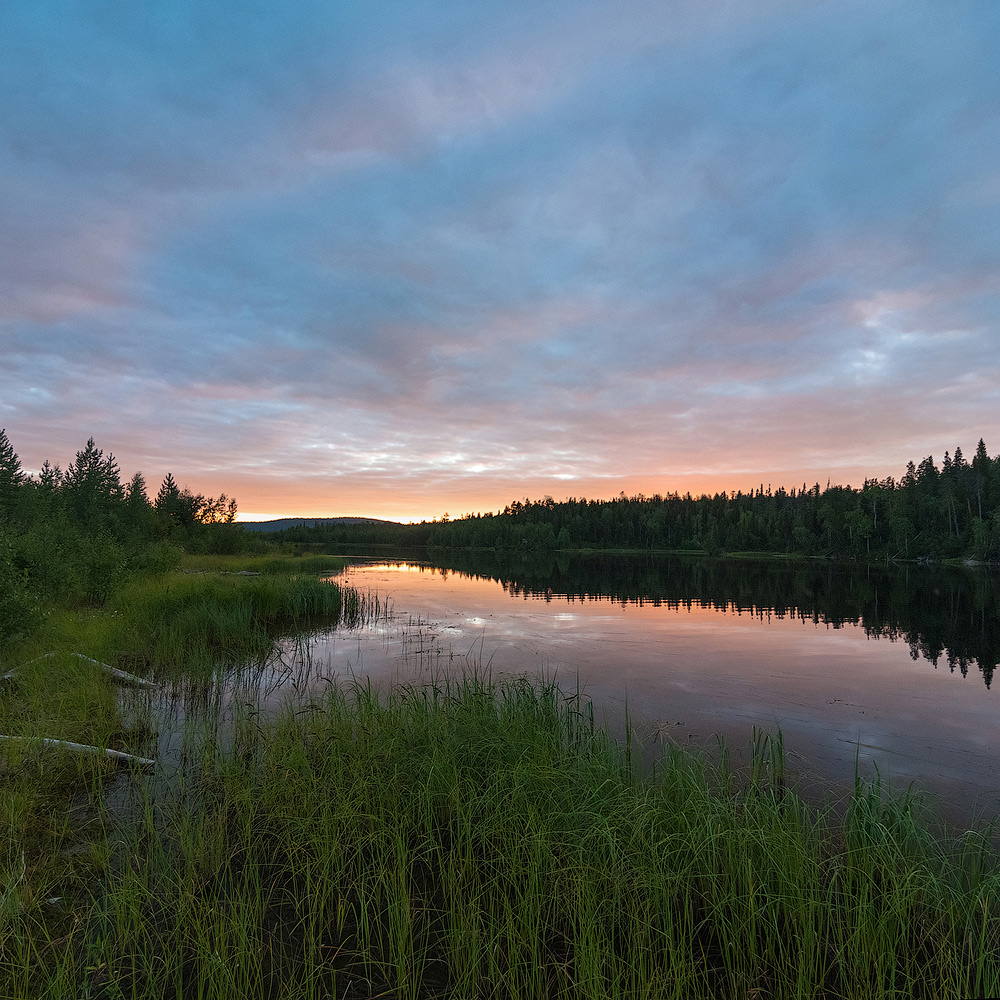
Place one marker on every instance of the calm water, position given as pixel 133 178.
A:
pixel 889 668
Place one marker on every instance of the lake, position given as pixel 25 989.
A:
pixel 889 668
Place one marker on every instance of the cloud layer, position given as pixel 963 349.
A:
pixel 397 259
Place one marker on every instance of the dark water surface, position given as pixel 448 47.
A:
pixel 890 668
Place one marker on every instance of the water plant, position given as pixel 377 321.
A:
pixel 467 838
pixel 60 698
pixel 478 838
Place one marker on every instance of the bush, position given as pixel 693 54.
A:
pixel 20 608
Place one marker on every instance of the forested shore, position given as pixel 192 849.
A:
pixel 70 537
pixel 68 534
pixel 930 513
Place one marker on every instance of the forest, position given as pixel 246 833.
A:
pixel 930 513
pixel 70 536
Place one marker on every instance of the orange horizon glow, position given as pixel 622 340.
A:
pixel 267 503
pixel 287 486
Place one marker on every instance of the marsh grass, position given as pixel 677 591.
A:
pixel 169 626
pixel 474 838
pixel 316 565
pixel 468 838
pixel 191 622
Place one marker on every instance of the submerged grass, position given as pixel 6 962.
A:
pixel 482 839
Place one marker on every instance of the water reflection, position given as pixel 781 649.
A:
pixel 695 648
pixel 701 648
pixel 947 616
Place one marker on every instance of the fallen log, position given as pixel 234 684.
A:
pixel 119 675
pixel 117 755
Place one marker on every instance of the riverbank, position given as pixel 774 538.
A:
pixel 424 551
pixel 75 710
pixel 473 838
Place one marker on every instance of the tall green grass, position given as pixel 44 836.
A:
pixel 270 565
pixel 169 626
pixel 479 839
pixel 189 621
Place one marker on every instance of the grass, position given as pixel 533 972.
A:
pixel 316 565
pixel 172 626
pixel 482 839
pixel 195 622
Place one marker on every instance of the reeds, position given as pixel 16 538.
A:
pixel 272 565
pixel 55 698
pixel 186 622
pixel 474 838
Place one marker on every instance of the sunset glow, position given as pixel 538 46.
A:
pixel 398 260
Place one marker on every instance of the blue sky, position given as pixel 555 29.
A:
pixel 405 258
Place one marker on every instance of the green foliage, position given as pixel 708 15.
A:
pixel 197 620
pixel 12 478
pixel 91 488
pixel 20 608
pixel 74 537
pixel 178 509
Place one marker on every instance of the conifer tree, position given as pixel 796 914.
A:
pixel 12 477
pixel 168 498
pixel 92 485
pixel 135 493
pixel 50 476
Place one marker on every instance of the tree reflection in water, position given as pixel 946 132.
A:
pixel 945 615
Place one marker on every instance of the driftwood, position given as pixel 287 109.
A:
pixel 123 676
pixel 118 755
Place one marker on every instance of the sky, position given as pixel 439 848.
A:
pixel 397 259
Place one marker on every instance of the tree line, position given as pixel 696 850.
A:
pixel 930 513
pixel 71 535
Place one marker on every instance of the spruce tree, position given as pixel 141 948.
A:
pixel 92 486
pixel 50 476
pixel 174 505
pixel 135 493
pixel 12 477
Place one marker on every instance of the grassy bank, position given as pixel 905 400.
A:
pixel 216 611
pixel 163 628
pixel 477 839
pixel 206 611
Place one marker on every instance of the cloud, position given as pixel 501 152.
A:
pixel 425 247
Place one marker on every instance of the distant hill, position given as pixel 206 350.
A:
pixel 295 522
